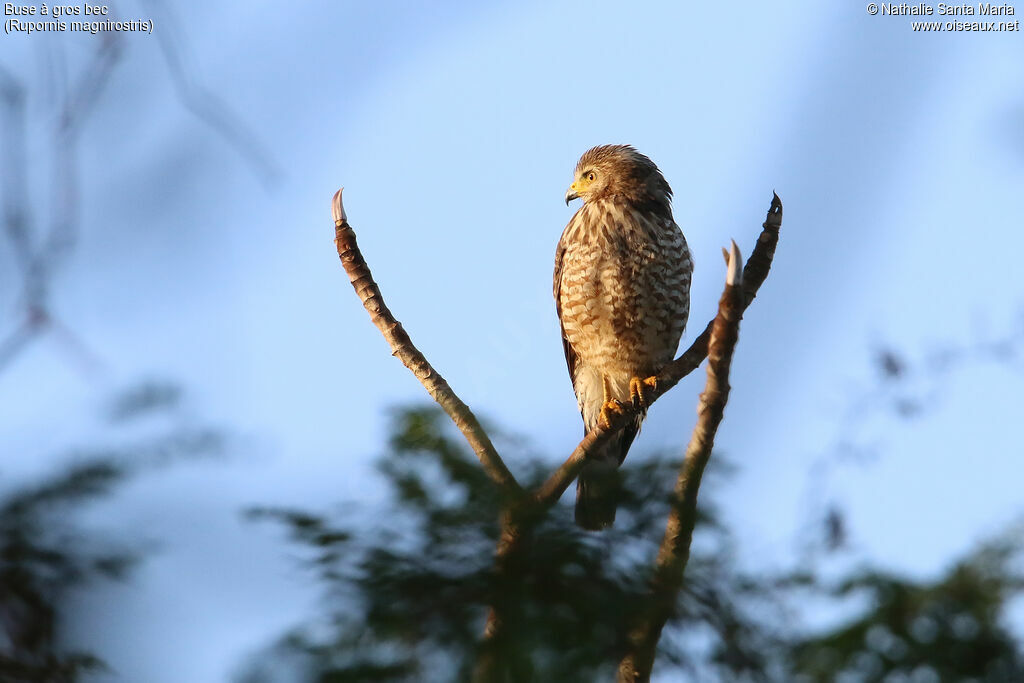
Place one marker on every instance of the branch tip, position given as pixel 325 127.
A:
pixel 775 210
pixel 337 209
pixel 734 275
pixel 368 292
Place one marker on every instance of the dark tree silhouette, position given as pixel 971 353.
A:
pixel 405 589
pixel 406 594
pixel 951 629
pixel 46 554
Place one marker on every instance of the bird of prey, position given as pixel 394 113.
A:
pixel 622 293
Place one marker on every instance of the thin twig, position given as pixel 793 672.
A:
pixel 15 342
pixel 205 104
pixel 510 565
pixel 402 347
pixel 14 185
pixel 77 104
pixel 40 255
pixel 754 274
pixel 674 551
pixel 39 258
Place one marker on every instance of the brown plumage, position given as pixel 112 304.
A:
pixel 622 293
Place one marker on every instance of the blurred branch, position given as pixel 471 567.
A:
pixel 37 256
pixel 78 103
pixel 38 260
pixel 401 346
pixel 16 216
pixel 206 106
pixel 675 546
pixel 15 342
pixel 15 170
pixel 905 384
pixel 754 274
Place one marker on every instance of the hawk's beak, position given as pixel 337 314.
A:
pixel 571 194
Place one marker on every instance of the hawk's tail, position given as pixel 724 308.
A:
pixel 598 489
pixel 597 493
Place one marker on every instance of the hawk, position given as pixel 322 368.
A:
pixel 622 294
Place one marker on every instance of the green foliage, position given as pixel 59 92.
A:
pixel 951 629
pixel 45 554
pixel 406 593
pixel 406 589
pixel 41 559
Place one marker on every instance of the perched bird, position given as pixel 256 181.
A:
pixel 622 293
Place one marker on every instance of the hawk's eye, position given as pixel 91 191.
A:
pixel 591 176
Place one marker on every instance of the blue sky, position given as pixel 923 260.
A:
pixel 455 129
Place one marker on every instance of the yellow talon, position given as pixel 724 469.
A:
pixel 607 410
pixel 639 390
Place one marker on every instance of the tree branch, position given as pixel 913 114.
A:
pixel 674 551
pixel 402 347
pixel 510 566
pixel 754 274
pixel 521 512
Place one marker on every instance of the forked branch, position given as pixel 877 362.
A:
pixel 521 510
pixel 402 347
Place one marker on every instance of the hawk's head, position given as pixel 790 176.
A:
pixel 618 171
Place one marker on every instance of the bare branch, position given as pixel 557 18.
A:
pixel 77 104
pixel 402 347
pixel 16 342
pixel 15 170
pixel 510 560
pixel 754 274
pixel 674 551
pixel 38 258
pixel 38 254
pixel 552 489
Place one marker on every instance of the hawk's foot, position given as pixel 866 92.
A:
pixel 640 390
pixel 610 408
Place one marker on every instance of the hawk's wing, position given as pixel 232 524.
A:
pixel 570 353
